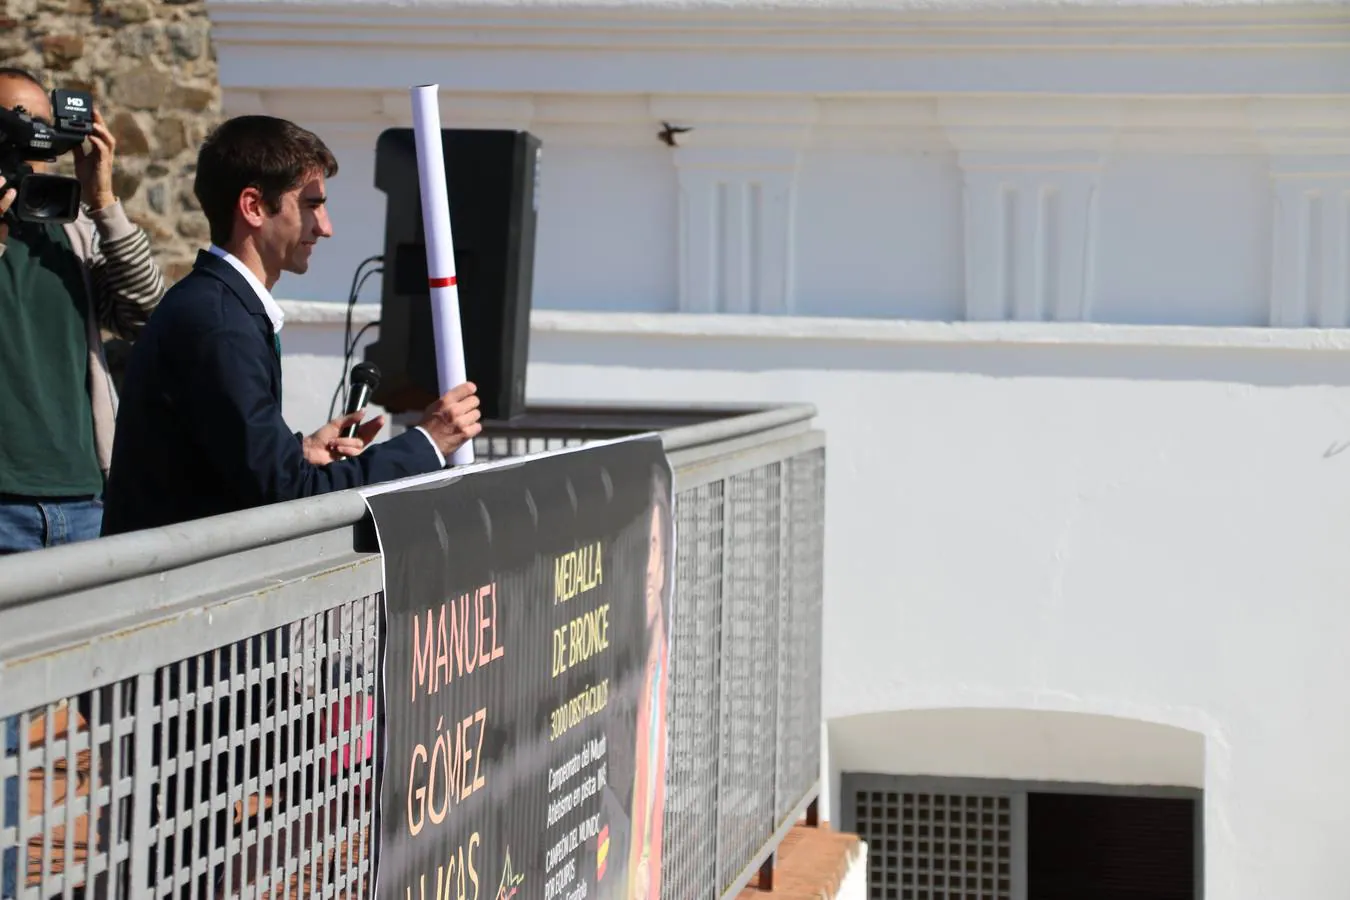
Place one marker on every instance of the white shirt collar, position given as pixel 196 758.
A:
pixel 269 305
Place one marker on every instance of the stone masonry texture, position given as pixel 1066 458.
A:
pixel 152 70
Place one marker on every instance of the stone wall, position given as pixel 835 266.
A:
pixel 152 71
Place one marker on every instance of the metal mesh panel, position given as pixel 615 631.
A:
pixel 930 846
pixel 489 447
pixel 745 817
pixel 799 652
pixel 246 770
pixel 745 666
pixel 66 776
pixel 689 849
pixel 289 812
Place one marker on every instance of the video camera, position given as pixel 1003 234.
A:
pixel 40 197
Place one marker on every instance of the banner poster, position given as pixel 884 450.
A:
pixel 526 661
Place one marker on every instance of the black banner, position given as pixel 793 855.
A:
pixel 525 669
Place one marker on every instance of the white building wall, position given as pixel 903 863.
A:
pixel 1025 259
pixel 1151 532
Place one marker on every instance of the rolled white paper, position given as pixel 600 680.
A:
pixel 445 320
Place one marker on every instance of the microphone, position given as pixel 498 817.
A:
pixel 364 379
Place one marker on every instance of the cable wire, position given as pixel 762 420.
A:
pixel 348 342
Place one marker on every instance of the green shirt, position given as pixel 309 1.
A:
pixel 47 435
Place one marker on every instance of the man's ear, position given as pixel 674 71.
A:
pixel 251 207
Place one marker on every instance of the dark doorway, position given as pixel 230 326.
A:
pixel 1110 847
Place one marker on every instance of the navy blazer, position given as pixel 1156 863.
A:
pixel 199 428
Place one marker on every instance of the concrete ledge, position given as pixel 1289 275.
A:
pixel 319 312
pixel 877 331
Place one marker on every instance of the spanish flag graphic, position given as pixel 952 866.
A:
pixel 601 853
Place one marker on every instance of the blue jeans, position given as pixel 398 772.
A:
pixel 32 524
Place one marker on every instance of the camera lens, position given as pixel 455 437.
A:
pixel 37 200
pixel 48 198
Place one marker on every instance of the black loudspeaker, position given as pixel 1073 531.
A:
pixel 492 178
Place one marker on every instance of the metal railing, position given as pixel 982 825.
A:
pixel 183 706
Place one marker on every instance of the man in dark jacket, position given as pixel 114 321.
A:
pixel 200 430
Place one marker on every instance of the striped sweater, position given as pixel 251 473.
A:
pixel 125 285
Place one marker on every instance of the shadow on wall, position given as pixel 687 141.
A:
pixel 1102 361
pixel 1016 744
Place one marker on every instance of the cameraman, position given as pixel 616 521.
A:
pixel 59 284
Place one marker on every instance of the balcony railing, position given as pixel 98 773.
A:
pixel 117 786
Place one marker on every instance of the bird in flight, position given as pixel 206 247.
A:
pixel 668 132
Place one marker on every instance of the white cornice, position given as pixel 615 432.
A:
pixel 804 9
pixel 920 26
pixel 956 23
pixel 1089 77
pixel 783 56
pixel 980 128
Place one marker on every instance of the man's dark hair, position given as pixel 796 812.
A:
pixel 24 74
pixel 263 152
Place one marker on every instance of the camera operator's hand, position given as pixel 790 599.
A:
pixel 95 168
pixel 7 195
pixel 453 419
